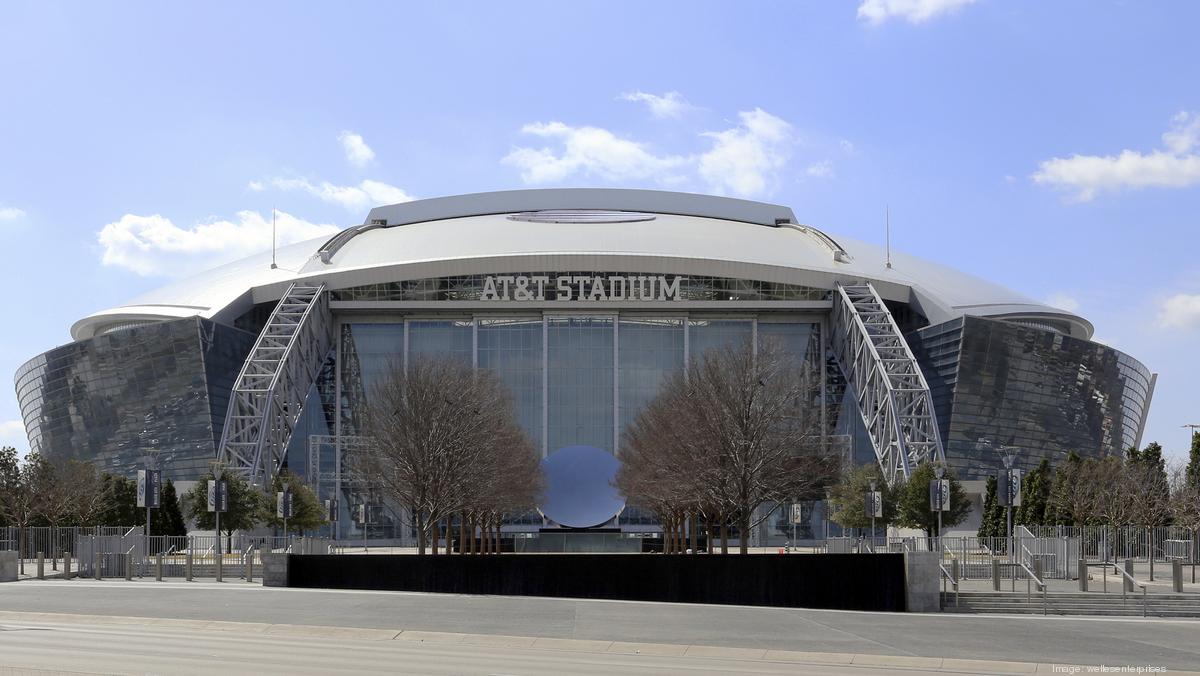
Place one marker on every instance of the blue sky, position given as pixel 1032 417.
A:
pixel 1050 147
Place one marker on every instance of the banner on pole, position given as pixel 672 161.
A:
pixel 797 513
pixel 149 488
pixel 283 505
pixel 939 495
pixel 218 496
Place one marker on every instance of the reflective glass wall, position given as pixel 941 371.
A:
pixel 161 387
pixel 997 383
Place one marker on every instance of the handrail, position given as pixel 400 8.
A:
pixel 953 583
pixel 1133 580
pixel 1041 583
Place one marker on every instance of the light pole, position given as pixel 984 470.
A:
pixel 1008 456
pixel 217 503
pixel 1008 499
pixel 939 471
pixel 874 509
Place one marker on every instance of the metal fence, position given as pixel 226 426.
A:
pixel 1057 551
pixel 125 552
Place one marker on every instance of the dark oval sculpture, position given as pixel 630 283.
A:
pixel 579 490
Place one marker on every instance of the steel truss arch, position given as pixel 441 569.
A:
pixel 886 381
pixel 269 393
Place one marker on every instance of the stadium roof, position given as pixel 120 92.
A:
pixel 486 233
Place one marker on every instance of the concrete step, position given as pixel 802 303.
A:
pixel 1067 603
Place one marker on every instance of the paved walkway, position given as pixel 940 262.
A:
pixel 1119 641
pixel 35 642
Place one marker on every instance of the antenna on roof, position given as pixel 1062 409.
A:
pixel 887 235
pixel 273 266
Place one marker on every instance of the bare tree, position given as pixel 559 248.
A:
pixel 443 442
pixel 739 430
pixel 1185 498
pixel 1147 490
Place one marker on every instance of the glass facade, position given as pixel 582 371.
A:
pixel 111 399
pixel 512 348
pixel 579 382
pixel 448 338
pixel 997 383
pixel 650 352
pixel 715 334
pixel 574 380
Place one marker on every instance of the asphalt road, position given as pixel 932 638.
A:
pixel 1146 642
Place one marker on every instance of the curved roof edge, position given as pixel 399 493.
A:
pixel 606 199
pixel 609 199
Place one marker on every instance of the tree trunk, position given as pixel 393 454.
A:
pixel 420 532
pixel 692 529
pixel 723 524
pixel 744 535
pixel 462 532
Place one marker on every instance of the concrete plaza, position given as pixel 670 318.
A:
pixel 172 620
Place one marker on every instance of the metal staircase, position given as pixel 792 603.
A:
pixel 269 393
pixel 884 378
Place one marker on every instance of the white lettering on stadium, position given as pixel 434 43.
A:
pixel 581 287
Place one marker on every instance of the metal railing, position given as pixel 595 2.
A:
pixel 947 576
pixel 1125 588
pixel 1033 577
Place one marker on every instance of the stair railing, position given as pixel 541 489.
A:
pixel 1132 580
pixel 1028 584
pixel 953 583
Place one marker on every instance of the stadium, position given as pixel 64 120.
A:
pixel 582 301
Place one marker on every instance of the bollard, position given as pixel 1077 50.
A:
pixel 1129 571
pixel 1177 576
pixel 954 572
pixel 250 567
pixel 218 561
pixel 128 566
pixel 66 565
pixel 158 567
pixel 41 566
pixel 1083 575
pixel 995 575
pixel 187 566
pixel 96 565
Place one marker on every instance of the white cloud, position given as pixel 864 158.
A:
pixel 1180 311
pixel 590 151
pixel 912 11
pixel 357 151
pixel 744 159
pixel 10 213
pixel 12 433
pixel 1177 165
pixel 669 105
pixel 822 169
pixel 847 146
pixel 153 245
pixel 356 198
pixel 1063 302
